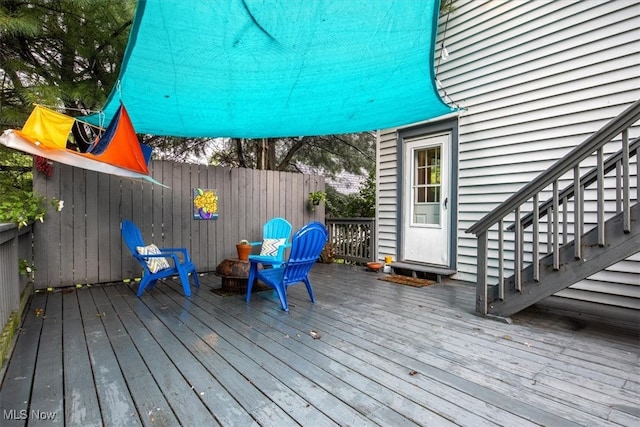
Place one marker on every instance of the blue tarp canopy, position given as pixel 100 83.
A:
pixel 258 68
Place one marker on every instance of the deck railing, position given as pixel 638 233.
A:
pixel 353 239
pixel 15 244
pixel 516 226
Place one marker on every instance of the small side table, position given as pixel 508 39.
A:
pixel 235 275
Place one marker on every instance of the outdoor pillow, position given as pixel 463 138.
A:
pixel 155 264
pixel 270 246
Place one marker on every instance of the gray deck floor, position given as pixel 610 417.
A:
pixel 387 355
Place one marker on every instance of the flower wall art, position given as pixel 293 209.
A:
pixel 205 204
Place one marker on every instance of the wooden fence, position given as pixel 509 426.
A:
pixel 353 239
pixel 81 244
pixel 15 245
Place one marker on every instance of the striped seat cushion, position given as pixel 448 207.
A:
pixel 155 264
pixel 270 246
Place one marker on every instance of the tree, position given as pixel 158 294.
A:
pixel 361 205
pixel 328 154
pixel 64 53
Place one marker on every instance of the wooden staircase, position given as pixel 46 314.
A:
pixel 539 248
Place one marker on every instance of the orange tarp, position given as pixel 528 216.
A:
pixel 124 148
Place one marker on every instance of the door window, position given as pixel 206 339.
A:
pixel 426 186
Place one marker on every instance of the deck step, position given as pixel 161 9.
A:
pixel 415 269
pixel 595 258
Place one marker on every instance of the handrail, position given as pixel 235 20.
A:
pixel 588 179
pixel 15 243
pixel 623 121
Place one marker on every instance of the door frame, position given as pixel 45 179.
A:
pixel 449 125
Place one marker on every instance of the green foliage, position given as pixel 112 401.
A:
pixel 179 149
pixel 18 204
pixel 26 269
pixel 317 197
pixel 21 207
pixel 361 205
pixel 446 6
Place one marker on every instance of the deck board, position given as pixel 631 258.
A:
pixel 145 392
pixel 48 392
pixel 113 394
pixel 18 375
pixel 81 405
pixel 387 355
pixel 460 369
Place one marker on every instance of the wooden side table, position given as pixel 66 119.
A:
pixel 235 275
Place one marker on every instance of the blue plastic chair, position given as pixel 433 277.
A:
pixel 276 228
pixel 306 246
pixel 182 265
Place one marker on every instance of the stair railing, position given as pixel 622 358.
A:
pixel 523 210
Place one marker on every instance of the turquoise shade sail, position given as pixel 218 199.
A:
pixel 269 68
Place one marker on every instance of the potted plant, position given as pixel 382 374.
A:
pixel 244 249
pixel 316 197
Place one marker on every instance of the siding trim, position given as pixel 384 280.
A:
pixel 449 125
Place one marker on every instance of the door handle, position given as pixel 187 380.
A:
pixel 446 199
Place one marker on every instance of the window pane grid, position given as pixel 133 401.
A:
pixel 426 185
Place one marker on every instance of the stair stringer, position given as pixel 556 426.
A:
pixel 619 245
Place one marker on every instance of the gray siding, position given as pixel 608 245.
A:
pixel 533 80
pixel 387 197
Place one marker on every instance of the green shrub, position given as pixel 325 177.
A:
pixel 21 207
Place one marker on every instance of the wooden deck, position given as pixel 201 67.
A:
pixel 387 354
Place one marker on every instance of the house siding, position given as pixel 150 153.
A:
pixel 387 194
pixel 533 80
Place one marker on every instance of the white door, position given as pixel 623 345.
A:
pixel 426 199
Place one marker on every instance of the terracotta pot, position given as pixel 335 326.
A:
pixel 374 266
pixel 243 251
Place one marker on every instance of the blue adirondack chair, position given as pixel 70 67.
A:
pixel 306 246
pixel 155 261
pixel 275 235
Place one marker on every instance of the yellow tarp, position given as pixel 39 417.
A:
pixel 48 128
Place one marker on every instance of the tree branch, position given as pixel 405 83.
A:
pixel 284 164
